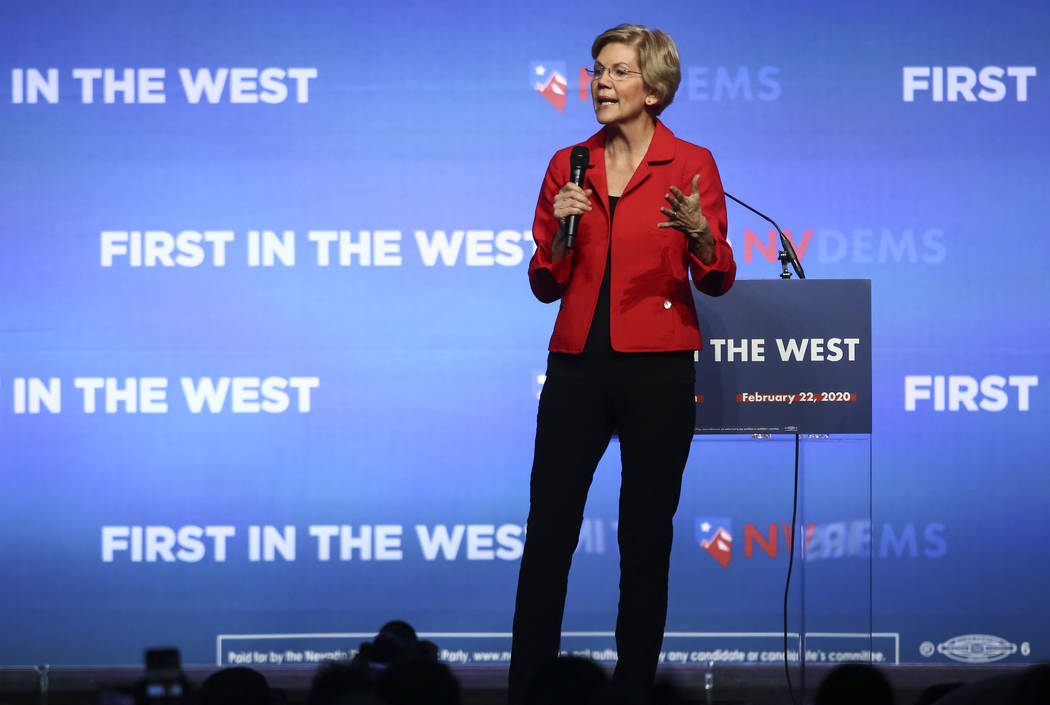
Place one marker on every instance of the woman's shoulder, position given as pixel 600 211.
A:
pixel 695 156
pixel 683 146
pixel 686 147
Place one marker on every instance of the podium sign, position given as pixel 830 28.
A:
pixel 788 356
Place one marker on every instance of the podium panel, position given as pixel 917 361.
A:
pixel 785 357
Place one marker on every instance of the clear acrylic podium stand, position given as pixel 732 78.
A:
pixel 832 600
pixel 727 604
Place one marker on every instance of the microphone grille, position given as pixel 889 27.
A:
pixel 580 157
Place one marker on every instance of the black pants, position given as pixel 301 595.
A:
pixel 648 401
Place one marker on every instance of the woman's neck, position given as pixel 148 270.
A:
pixel 629 142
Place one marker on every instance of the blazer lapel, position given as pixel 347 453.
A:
pixel 661 149
pixel 596 179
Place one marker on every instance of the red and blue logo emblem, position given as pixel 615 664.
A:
pixel 548 78
pixel 715 535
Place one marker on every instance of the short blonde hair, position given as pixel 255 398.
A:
pixel 657 58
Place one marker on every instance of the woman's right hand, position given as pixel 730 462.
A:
pixel 571 200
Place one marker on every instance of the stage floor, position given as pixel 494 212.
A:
pixel 485 685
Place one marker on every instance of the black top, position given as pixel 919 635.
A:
pixel 599 344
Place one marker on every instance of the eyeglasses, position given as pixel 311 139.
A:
pixel 619 72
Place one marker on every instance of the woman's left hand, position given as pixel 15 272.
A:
pixel 685 215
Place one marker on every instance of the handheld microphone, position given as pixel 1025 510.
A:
pixel 578 162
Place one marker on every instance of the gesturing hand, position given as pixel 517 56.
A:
pixel 685 215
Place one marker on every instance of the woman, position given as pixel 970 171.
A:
pixel 651 215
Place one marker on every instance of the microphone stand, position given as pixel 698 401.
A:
pixel 785 255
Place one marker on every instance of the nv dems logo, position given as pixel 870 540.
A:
pixel 699 83
pixel 856 538
pixel 548 79
pixel 715 535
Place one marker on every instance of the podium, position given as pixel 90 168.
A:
pixel 785 374
pixel 788 356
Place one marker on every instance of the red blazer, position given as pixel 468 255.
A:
pixel 651 301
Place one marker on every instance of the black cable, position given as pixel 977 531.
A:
pixel 789 255
pixel 787 584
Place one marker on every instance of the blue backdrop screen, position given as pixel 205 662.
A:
pixel 269 360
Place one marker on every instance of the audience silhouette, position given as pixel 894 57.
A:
pixel 399 668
